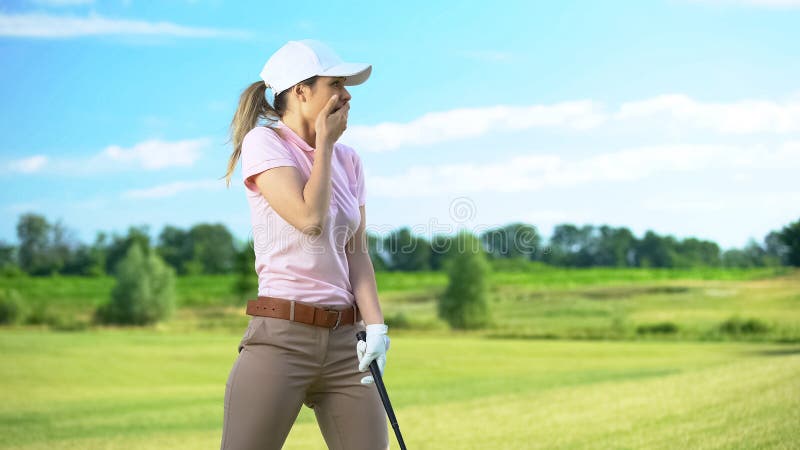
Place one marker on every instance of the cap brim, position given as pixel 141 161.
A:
pixel 354 73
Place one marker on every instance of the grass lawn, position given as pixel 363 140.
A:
pixel 632 359
pixel 129 388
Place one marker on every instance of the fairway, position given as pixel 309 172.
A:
pixel 128 388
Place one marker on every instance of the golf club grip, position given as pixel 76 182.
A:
pixel 378 380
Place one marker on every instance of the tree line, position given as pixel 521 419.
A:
pixel 46 248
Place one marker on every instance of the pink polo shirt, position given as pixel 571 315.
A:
pixel 289 263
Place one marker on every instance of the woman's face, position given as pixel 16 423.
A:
pixel 324 89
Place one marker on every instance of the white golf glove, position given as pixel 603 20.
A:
pixel 374 348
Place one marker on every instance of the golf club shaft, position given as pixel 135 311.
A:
pixel 376 375
pixel 387 405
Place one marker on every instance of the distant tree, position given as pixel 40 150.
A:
pixel 144 292
pixel 772 252
pixel 571 246
pixel 790 236
pixel 82 259
pixel 757 254
pixel 98 255
pixel 655 251
pixel 406 251
pixel 175 246
pixel 736 258
pixel 8 258
pixel 587 247
pixel 693 252
pixel 374 244
pixel 465 302
pixel 205 248
pixel 119 246
pixel 777 253
pixel 614 247
pixel 63 245
pixel 515 240
pixel 35 255
pixel 561 245
pixel 246 285
pixel 752 255
pixel 443 247
pixel 46 249
pixel 213 248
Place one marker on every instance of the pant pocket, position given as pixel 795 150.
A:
pixel 248 333
pixel 265 330
pixel 252 333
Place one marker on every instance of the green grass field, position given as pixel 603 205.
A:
pixel 573 360
pixel 119 389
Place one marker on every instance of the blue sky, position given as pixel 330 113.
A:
pixel 681 116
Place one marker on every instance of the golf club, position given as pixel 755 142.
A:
pixel 376 375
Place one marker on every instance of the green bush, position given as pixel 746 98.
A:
pixel 738 326
pixel 657 328
pixel 516 264
pixel 39 315
pixel 42 314
pixel 464 304
pixel 144 292
pixel 11 271
pixel 61 323
pixel 397 320
pixel 12 308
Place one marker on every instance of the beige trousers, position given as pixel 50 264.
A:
pixel 283 365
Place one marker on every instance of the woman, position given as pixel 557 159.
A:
pixel 316 283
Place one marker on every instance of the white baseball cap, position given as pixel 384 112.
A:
pixel 299 60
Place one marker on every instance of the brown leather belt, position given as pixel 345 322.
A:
pixel 281 308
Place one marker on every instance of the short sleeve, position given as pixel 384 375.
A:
pixel 262 149
pixel 360 189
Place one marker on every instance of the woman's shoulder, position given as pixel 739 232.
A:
pixel 263 138
pixel 348 151
pixel 262 131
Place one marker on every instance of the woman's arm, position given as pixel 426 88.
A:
pixel 304 205
pixel 362 274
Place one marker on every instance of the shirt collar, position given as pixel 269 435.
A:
pixel 292 136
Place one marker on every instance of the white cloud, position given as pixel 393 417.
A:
pixel 174 188
pixel 38 25
pixel 536 172
pixel 710 202
pixel 684 205
pixel 744 116
pixel 149 155
pixel 657 113
pixel 28 165
pixel 471 122
pixel 546 217
pixel 153 154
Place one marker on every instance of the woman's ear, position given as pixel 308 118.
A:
pixel 302 92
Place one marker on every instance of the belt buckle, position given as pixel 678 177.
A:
pixel 338 319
